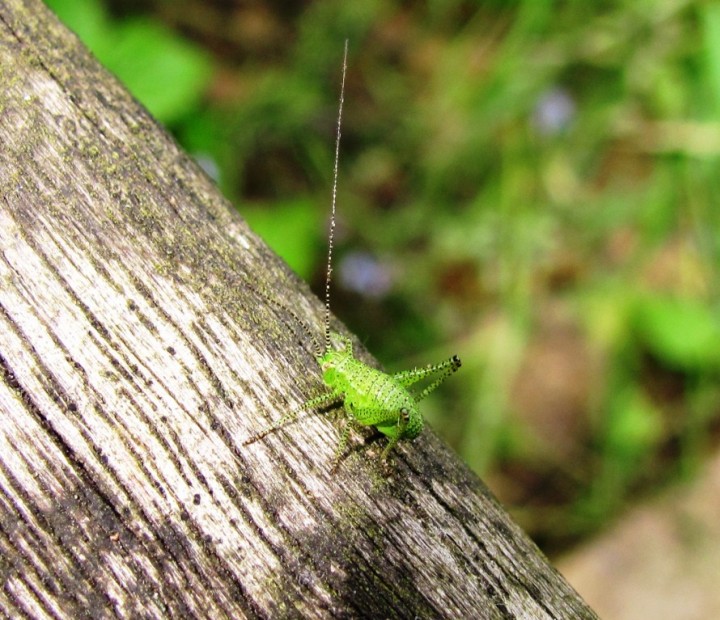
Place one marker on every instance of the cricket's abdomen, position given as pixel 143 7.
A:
pixel 374 398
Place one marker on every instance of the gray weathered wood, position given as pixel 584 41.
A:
pixel 138 350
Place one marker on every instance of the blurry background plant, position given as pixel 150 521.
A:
pixel 527 184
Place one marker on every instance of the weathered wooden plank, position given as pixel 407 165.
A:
pixel 138 349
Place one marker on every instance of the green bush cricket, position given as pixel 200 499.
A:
pixel 369 396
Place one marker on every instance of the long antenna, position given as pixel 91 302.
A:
pixel 331 236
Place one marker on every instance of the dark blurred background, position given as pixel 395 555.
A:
pixel 527 184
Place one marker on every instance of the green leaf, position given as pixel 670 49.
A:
pixel 634 425
pixel 86 18
pixel 166 73
pixel 289 229
pixel 683 332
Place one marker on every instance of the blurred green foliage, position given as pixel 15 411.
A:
pixel 537 181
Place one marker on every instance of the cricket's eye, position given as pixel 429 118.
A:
pixel 404 413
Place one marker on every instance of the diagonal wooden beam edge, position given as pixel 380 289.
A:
pixel 139 348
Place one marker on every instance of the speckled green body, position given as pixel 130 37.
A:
pixel 371 397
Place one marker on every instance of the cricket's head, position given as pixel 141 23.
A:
pixel 329 363
pixel 332 359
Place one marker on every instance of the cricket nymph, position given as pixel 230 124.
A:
pixel 368 396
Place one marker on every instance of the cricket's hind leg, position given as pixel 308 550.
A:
pixel 323 400
pixel 406 378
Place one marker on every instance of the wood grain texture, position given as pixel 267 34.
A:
pixel 138 349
